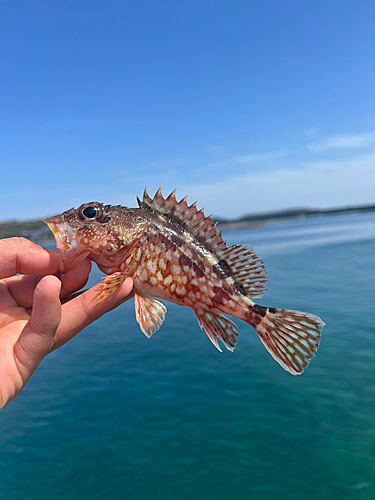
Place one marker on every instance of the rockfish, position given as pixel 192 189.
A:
pixel 174 252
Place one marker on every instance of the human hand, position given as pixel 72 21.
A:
pixel 39 310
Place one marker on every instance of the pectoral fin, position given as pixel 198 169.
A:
pixel 149 313
pixel 111 284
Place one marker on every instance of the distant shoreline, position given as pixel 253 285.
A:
pixel 260 219
pixel 37 231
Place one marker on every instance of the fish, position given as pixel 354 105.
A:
pixel 173 252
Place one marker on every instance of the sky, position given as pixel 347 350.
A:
pixel 243 105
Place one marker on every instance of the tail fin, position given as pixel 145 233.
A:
pixel 291 337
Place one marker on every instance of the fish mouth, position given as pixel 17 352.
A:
pixel 71 252
pixel 63 233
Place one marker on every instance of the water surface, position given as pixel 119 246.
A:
pixel 116 415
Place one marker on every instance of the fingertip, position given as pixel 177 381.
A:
pixel 123 294
pixel 46 303
pixel 36 339
pixel 19 255
pixel 49 286
pixel 126 287
pixel 76 278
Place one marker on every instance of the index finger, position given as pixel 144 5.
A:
pixel 21 256
pixel 83 310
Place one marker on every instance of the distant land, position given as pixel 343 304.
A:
pixel 37 231
pixel 258 219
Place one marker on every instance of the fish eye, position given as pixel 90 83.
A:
pixel 91 212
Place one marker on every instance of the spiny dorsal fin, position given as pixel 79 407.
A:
pixel 246 268
pixel 239 262
pixel 192 220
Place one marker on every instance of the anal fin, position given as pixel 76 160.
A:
pixel 149 313
pixel 217 327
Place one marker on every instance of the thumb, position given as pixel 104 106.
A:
pixel 37 337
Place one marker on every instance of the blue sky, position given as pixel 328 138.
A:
pixel 245 106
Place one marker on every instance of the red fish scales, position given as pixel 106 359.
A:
pixel 177 272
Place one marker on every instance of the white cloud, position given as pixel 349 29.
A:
pixel 248 159
pixel 318 184
pixel 343 141
pixel 229 188
pixel 312 132
pixel 243 160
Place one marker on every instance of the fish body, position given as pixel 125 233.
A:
pixel 173 252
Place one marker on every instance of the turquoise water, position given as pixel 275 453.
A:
pixel 115 415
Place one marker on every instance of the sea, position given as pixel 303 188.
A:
pixel 114 415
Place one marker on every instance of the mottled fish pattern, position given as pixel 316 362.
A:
pixel 174 252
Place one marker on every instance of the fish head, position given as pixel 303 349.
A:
pixel 101 232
